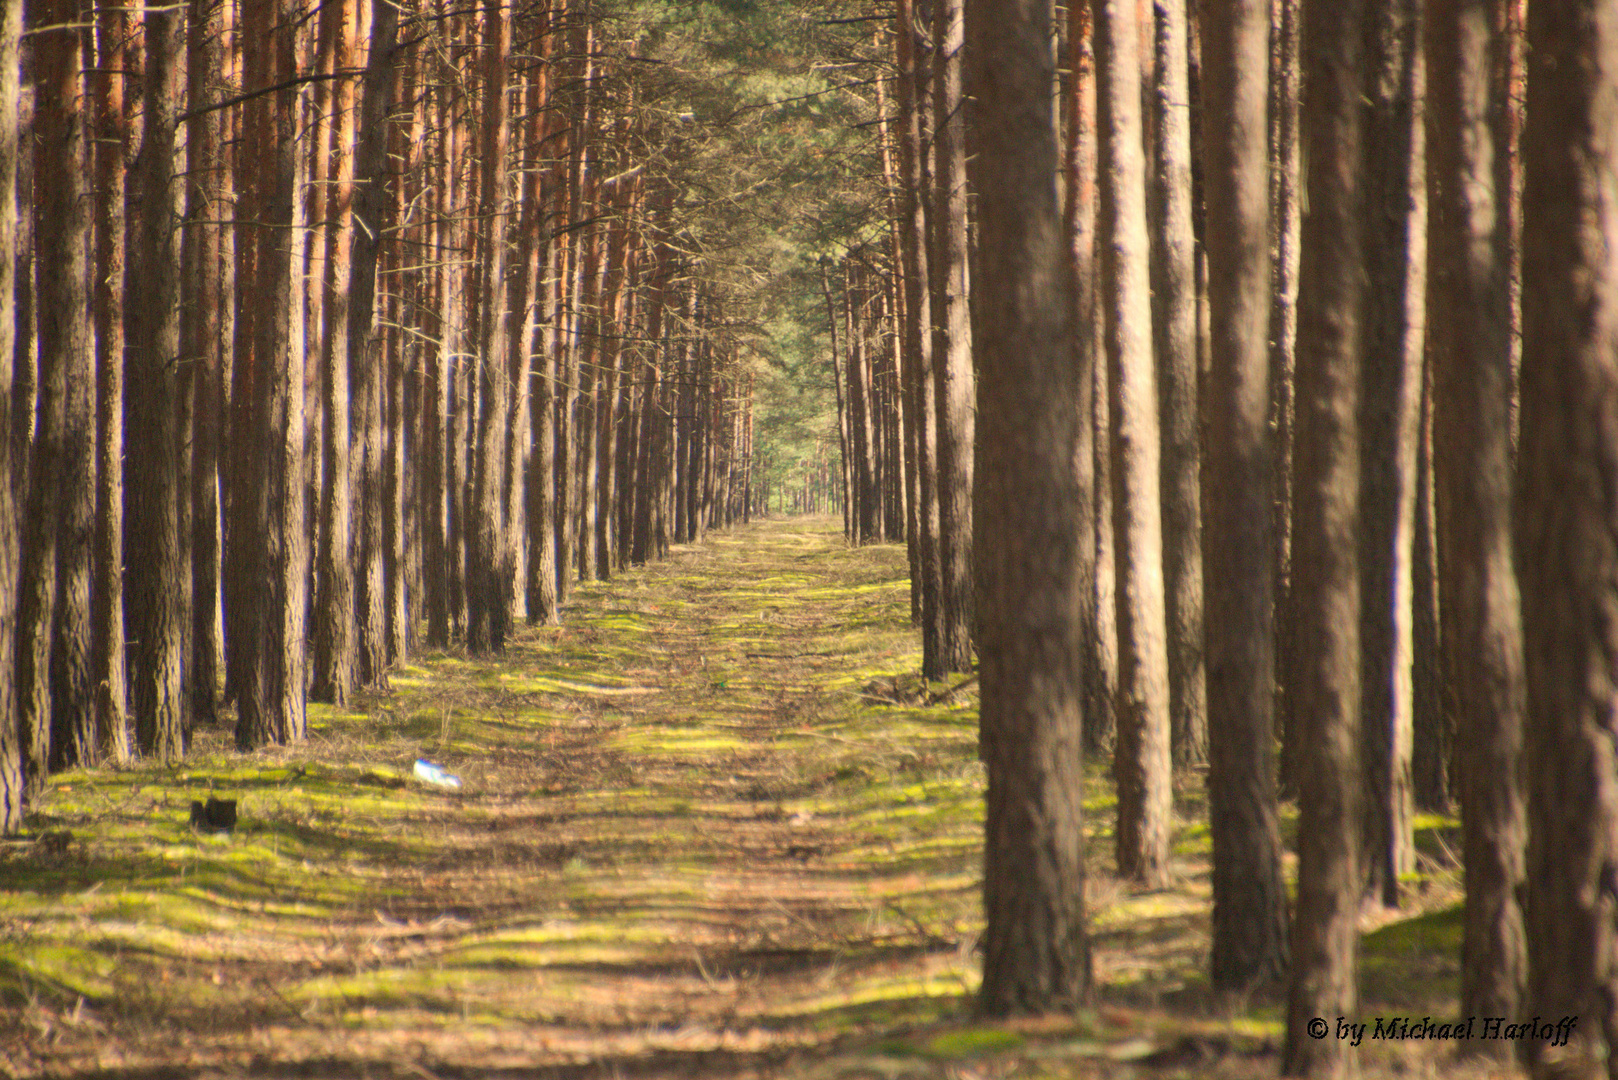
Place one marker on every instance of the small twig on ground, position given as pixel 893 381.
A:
pixel 817 932
pixel 944 695
pixel 702 969
pixel 292 1010
pixel 931 939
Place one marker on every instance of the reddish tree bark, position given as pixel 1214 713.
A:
pixel 112 138
pixel 156 569
pixel 53 617
pixel 11 746
pixel 335 660
pixel 366 359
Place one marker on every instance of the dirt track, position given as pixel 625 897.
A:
pixel 699 835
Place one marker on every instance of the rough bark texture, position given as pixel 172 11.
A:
pixel 11 750
pixel 1325 566
pixel 1567 522
pixel 488 589
pixel 112 135
pixel 1079 215
pixel 437 468
pixel 650 449
pixel 336 663
pixel 24 356
pixel 1432 738
pixel 271 706
pixel 1142 764
pixel 542 187
pixel 1249 896
pixel 203 297
pixel 528 260
pixel 364 343
pixel 1174 338
pixel 916 339
pixel 588 373
pixel 1285 176
pixel 158 616
pixel 1036 951
pixel 1390 408
pixel 1481 635
pixel 53 646
pixel 952 338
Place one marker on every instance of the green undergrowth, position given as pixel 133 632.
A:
pixel 714 812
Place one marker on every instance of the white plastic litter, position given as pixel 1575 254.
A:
pixel 429 773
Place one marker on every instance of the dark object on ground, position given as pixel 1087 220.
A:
pixel 219 815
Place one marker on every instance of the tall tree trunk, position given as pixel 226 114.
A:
pixel 1390 409
pixel 11 747
pixel 651 449
pixel 528 254
pixel 366 362
pixel 1101 732
pixel 25 358
pixel 202 299
pixel 611 303
pixel 1145 792
pixel 570 267
pixel 107 663
pixel 1432 741
pixel 53 647
pixel 1481 633
pixel 1325 563
pixel 488 591
pixel 451 237
pixel 863 476
pixel 336 663
pixel 271 707
pixel 952 337
pixel 546 360
pixel 437 376
pixel 153 314
pixel 402 152
pixel 396 469
pixel 1036 950
pixel 1567 522
pixel 916 335
pixel 1174 337
pixel 845 406
pixel 679 428
pixel 1286 174
pixel 1099 656
pixel 899 210
pixel 1249 920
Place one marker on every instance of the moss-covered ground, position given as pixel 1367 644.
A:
pixel 713 825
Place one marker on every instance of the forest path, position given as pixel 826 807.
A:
pixel 705 830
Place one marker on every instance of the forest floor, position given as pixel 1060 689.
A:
pixel 713 826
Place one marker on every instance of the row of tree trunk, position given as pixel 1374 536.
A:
pixel 1366 524
pixel 328 332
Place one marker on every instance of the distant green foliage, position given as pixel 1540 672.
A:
pixel 763 115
